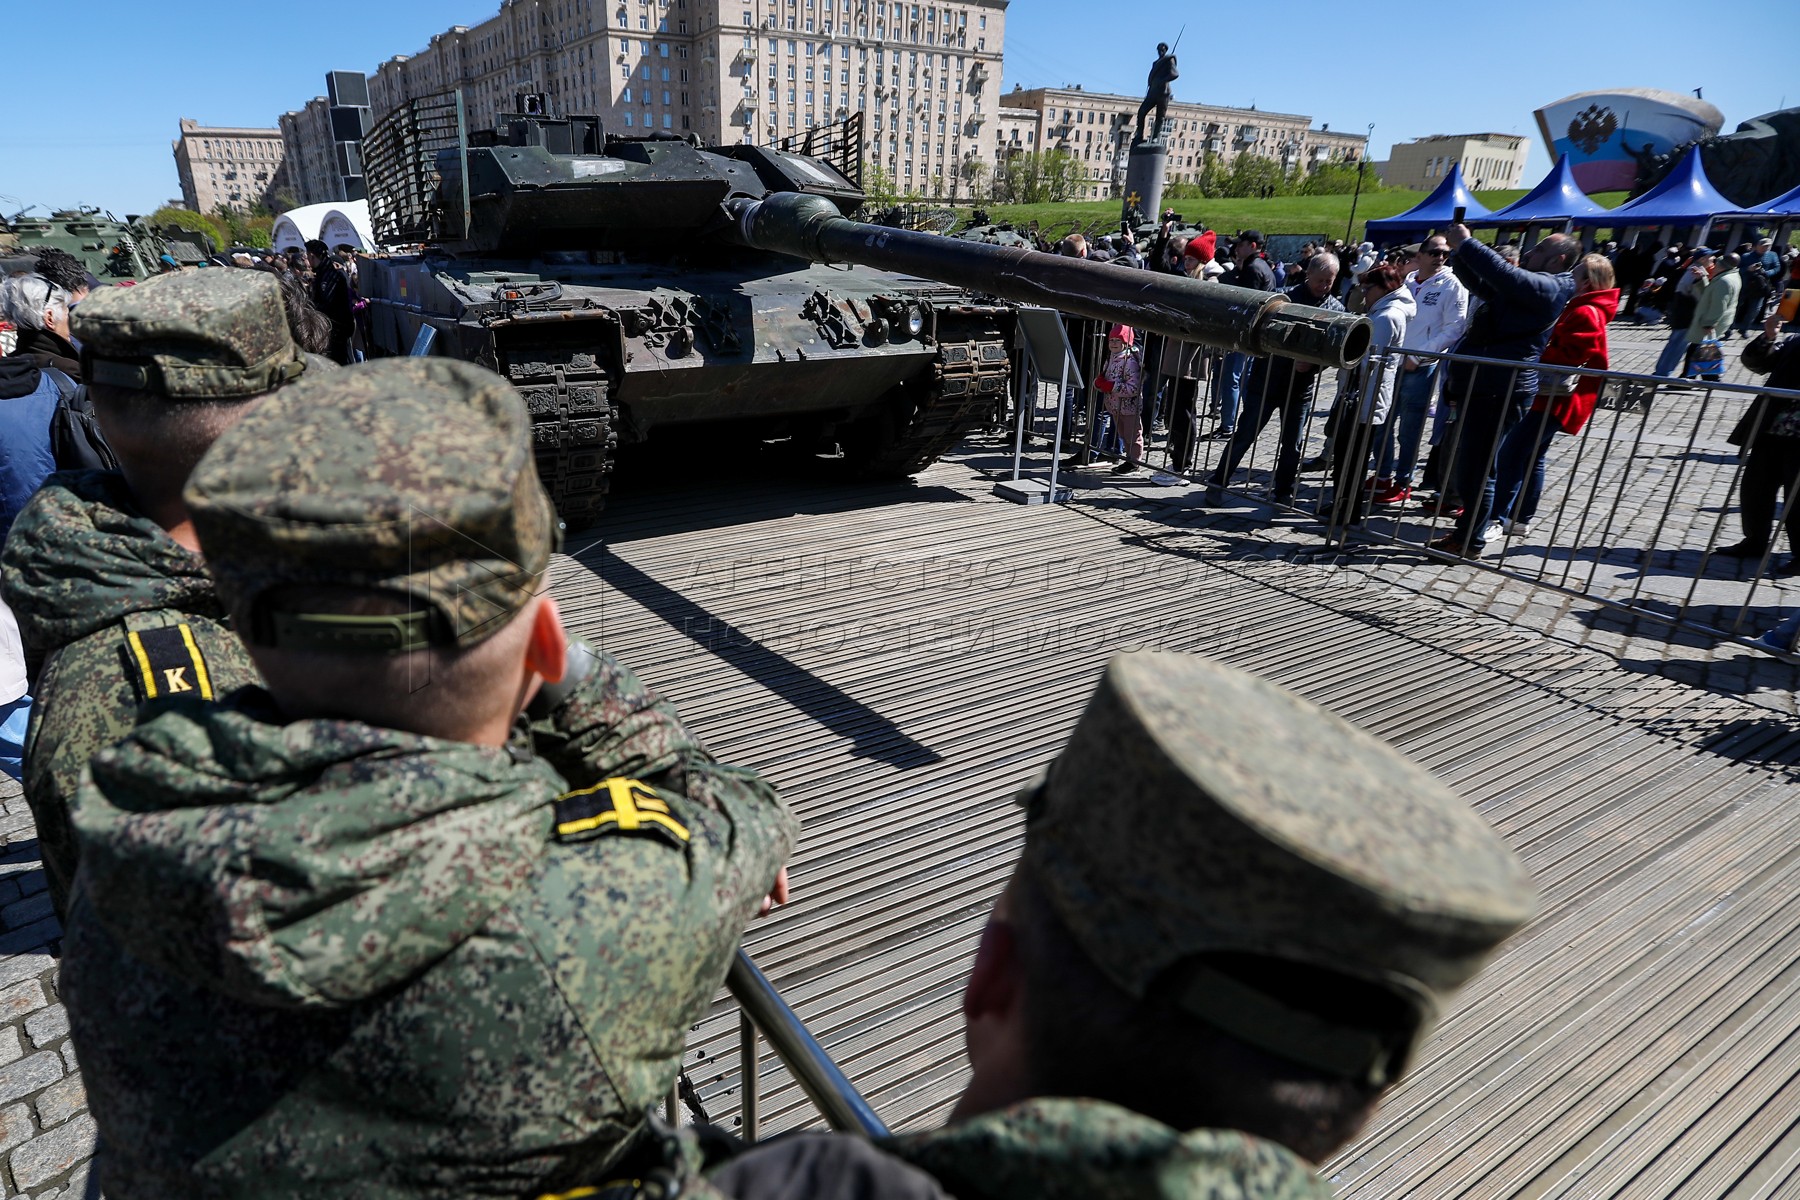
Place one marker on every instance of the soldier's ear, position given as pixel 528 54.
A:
pixel 547 652
pixel 993 990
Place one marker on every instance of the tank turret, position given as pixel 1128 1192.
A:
pixel 637 285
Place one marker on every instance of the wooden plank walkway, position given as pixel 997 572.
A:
pixel 900 660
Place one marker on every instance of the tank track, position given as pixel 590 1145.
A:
pixel 973 372
pixel 573 426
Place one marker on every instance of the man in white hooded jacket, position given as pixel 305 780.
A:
pixel 1442 317
pixel 1390 307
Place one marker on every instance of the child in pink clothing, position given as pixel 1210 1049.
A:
pixel 1121 385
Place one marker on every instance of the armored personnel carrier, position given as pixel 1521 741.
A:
pixel 632 286
pixel 109 248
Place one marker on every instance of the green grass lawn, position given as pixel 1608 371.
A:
pixel 1282 214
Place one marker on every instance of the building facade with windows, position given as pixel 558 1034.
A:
pixel 925 76
pixel 306 137
pixel 1097 128
pixel 1488 160
pixel 230 168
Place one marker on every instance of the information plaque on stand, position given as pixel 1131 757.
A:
pixel 1046 341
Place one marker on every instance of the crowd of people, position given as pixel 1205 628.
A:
pixel 320 288
pixel 1463 442
pixel 328 931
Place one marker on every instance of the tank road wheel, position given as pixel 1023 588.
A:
pixel 567 393
pixel 921 420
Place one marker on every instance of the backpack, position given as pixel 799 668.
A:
pixel 75 438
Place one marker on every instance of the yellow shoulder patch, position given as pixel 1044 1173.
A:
pixel 167 662
pixel 617 806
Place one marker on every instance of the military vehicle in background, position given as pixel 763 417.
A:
pixel 110 249
pixel 1002 234
pixel 637 286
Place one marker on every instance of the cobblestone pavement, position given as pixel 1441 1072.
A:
pixel 1627 517
pixel 46 1136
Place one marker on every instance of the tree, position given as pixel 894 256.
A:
pixel 242 228
pixel 972 171
pixel 183 218
pixel 1037 178
pixel 879 187
pixel 1252 175
pixel 1212 176
pixel 1337 179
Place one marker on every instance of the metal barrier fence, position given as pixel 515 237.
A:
pixel 1640 510
pixel 762 1012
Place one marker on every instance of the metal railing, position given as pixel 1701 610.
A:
pixel 763 1013
pixel 1632 511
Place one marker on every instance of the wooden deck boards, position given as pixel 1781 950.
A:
pixel 901 660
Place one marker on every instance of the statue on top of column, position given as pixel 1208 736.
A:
pixel 1162 90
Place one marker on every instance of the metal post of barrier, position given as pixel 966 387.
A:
pixel 1019 437
pixel 1347 499
pixel 1448 484
pixel 1669 504
pixel 1538 423
pixel 1062 410
pixel 824 1084
pixel 1612 437
pixel 749 1077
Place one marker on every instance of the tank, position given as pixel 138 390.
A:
pixel 640 287
pixel 111 249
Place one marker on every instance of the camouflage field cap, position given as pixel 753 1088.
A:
pixel 410 476
pixel 194 335
pixel 1200 815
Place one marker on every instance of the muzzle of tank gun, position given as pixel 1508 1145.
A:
pixel 1213 314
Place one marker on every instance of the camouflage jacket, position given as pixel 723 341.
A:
pixel 1047 1149
pixel 320 958
pixel 103 595
pixel 1052 1149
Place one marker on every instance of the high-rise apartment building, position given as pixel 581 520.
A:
pixel 233 168
pixel 925 76
pixel 312 168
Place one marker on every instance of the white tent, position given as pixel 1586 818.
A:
pixel 341 223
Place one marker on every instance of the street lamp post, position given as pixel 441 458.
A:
pixel 1360 164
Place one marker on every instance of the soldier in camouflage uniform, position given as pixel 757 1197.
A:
pixel 368 932
pixel 1233 923
pixel 102 568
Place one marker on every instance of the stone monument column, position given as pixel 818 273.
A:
pixel 1144 172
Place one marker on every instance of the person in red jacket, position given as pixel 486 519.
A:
pixel 1564 402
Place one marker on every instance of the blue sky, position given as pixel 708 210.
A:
pixel 100 133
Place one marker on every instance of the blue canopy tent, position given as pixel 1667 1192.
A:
pixel 1684 200
pixel 1556 200
pixel 1775 215
pixel 1436 211
pixel 1785 205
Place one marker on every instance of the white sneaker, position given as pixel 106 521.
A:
pixel 1491 532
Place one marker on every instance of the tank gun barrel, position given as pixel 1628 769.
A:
pixel 1213 314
